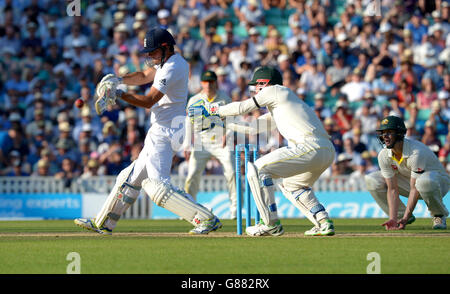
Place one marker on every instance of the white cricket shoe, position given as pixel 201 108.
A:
pixel 206 226
pixel 325 229
pixel 265 230
pixel 88 224
pixel 439 223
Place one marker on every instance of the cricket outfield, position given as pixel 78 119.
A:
pixel 360 246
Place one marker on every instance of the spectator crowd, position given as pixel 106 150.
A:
pixel 352 61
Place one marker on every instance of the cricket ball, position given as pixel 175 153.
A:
pixel 79 103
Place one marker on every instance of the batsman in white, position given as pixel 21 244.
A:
pixel 408 168
pixel 308 154
pixel 208 142
pixel 167 99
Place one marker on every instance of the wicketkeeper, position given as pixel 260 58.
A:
pixel 309 153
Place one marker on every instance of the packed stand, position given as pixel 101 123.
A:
pixel 351 61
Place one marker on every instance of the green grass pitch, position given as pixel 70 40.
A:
pixel 164 247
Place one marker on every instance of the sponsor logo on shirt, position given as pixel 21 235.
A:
pixel 419 171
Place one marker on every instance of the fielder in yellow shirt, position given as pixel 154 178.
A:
pixel 407 168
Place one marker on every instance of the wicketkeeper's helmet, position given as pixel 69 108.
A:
pixel 267 74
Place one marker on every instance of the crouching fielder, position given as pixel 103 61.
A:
pixel 407 168
pixel 309 153
pixel 151 170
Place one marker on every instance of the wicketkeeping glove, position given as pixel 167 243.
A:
pixel 202 109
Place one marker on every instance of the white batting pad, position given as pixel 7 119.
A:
pixel 176 201
pixel 121 197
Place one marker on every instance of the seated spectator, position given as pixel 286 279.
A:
pixel 339 72
pixel 416 26
pixel 396 109
pixel 357 88
pixel 42 169
pixel 405 94
pixel 427 94
pixel 335 135
pixel 383 87
pixel 250 14
pixel 405 73
pixel 342 116
pixel 68 172
pixel 430 138
pixel 322 111
pixel 91 169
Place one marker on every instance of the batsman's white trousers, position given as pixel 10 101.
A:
pixel 155 159
pixel 299 166
pixel 431 185
pixel 197 164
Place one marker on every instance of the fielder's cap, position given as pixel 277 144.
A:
pixel 392 122
pixel 156 38
pixel 267 73
pixel 209 76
